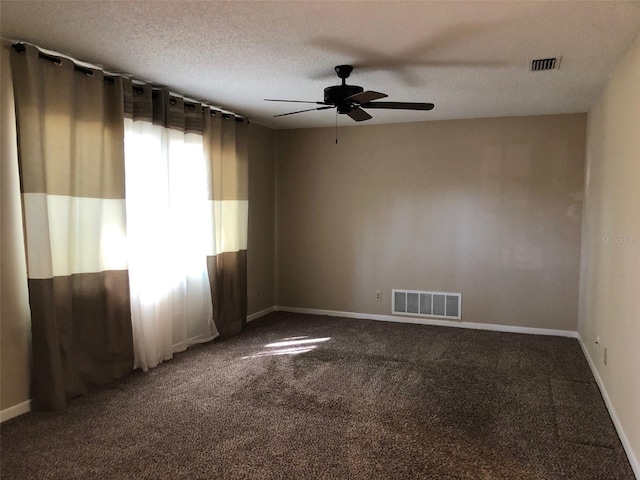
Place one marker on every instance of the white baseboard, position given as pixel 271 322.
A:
pixel 16 410
pixel 261 313
pixel 633 460
pixel 433 321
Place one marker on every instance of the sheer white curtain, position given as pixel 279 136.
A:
pixel 168 228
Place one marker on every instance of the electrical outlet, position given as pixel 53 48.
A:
pixel 605 355
pixel 379 296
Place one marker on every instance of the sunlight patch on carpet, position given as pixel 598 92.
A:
pixel 299 341
pixel 290 346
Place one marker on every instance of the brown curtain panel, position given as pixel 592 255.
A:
pixel 71 155
pixel 225 143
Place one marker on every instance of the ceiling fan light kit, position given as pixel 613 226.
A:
pixel 350 99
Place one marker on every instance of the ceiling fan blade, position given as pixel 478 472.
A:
pixel 400 105
pixel 301 111
pixel 366 97
pixel 294 101
pixel 359 115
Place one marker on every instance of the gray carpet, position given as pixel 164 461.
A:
pixel 375 401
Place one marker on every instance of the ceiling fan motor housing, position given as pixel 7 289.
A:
pixel 336 94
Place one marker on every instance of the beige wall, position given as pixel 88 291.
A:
pixel 261 250
pixel 610 273
pixel 488 207
pixel 15 326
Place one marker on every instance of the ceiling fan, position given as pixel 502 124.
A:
pixel 351 99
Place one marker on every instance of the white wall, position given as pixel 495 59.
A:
pixel 610 259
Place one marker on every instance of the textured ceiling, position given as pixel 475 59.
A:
pixel 469 58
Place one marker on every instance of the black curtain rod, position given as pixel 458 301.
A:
pixel 20 48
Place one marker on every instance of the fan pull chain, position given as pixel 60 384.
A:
pixel 336 126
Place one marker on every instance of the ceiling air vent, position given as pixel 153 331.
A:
pixel 545 64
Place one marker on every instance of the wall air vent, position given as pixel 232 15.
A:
pixel 545 64
pixel 426 304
